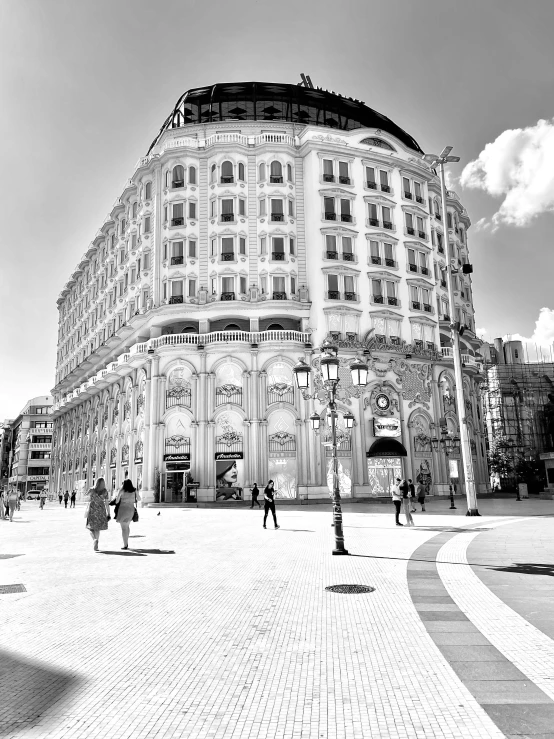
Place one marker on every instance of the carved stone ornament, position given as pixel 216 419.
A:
pixel 376 401
pixel 127 409
pixel 140 403
pixel 179 391
pixel 415 381
pixel 125 453
pixel 422 443
pixel 229 390
pixel 102 456
pixel 280 388
pixel 113 455
pixel 282 438
pixel 139 446
pixel 229 438
pixel 177 440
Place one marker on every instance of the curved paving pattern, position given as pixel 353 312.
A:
pixel 471 627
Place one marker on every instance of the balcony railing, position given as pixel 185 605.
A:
pixel 422 234
pixel 408 195
pixel 330 216
pixel 275 179
pixel 416 305
pixel 346 217
pixel 443 283
pixel 349 296
pixel 410 231
pixel 424 270
pixel 228 180
pixel 177 260
pixel 277 217
pixel 333 294
pixel 374 222
pixel 419 199
pixel 328 178
pixel 279 296
pixel 348 256
pixel 227 296
pixel 438 216
pixel 392 301
pixel 278 256
pixel 175 299
pixel 228 256
pixel 344 180
pixel 376 260
pixel 385 188
pixel 388 225
pixel 372 185
pixel 332 254
pixel 378 299
pixel 177 183
pixel 440 249
pixel 177 221
pixel 390 263
pixel 412 267
pixel 427 308
pixel 227 217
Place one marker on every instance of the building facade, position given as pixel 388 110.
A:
pixel 30 452
pixel 263 220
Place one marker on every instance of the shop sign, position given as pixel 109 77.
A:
pixel 221 456
pixel 138 460
pixel 33 478
pixel 175 458
pixel 386 427
pixel 113 465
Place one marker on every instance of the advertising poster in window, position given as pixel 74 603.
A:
pixel 283 474
pixel 345 477
pixel 382 472
pixel 229 476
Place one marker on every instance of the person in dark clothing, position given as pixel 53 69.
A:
pixel 60 496
pixel 255 493
pixel 397 500
pixel 411 488
pixel 269 503
pixel 405 491
pixel 65 498
pixel 73 498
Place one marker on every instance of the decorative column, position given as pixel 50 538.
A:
pixel 148 472
pixel 264 456
pixel 363 441
pixel 202 410
pixel 256 379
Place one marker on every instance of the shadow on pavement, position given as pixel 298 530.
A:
pixel 121 554
pixel 154 551
pixel 526 568
pixel 10 556
pixel 30 689
pixel 136 536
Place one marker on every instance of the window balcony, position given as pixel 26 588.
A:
pixel 422 234
pixel 275 179
pixel 372 185
pixel 424 270
pixel 380 339
pixel 438 216
pixel 376 260
pixel 395 340
pixel 328 178
pixel 443 283
pixel 177 221
pixel 441 249
pixel 374 222
pixel 348 256
pixel 227 217
pixel 228 256
pixel 330 216
pixel 344 180
pixel 227 296
pixel 278 256
pixel 388 225
pixel 332 254
pixel 346 217
pixel 412 267
pixel 175 299
pixel 410 231
pixel 390 263
pixel 430 346
pixel 177 183
pixel 385 188
pixel 277 217
pixel 333 294
pixel 408 195
pixel 350 296
pixel 177 260
pixel 416 305
pixel 462 293
pixel 279 296
pixel 427 307
pixel 445 317
pixel 378 299
pixel 419 199
pixel 392 301
pixel 227 180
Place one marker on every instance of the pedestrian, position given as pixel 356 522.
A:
pixel 269 503
pixel 73 498
pixel 397 500
pixel 421 496
pixel 97 513
pixel 12 501
pixel 255 493
pixel 43 496
pixel 65 498
pixel 60 496
pixel 405 490
pixel 411 487
pixel 125 509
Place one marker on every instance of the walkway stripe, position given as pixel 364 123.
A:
pixel 515 703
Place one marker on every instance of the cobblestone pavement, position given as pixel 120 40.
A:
pixel 211 626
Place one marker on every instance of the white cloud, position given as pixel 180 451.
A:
pixel 539 344
pixel 481 333
pixel 518 166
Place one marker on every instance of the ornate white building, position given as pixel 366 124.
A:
pixel 264 219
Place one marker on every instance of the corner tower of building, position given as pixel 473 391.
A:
pixel 263 220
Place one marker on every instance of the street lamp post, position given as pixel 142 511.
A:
pixel 467 459
pixel 330 374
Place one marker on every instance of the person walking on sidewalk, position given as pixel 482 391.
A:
pixel 397 500
pixel 269 503
pixel 125 509
pixel 73 499
pixel 65 498
pixel 13 497
pixel 255 493
pixel 43 496
pixel 405 490
pixel 421 496
pixel 411 487
pixel 60 496
pixel 97 513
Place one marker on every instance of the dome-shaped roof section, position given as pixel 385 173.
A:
pixel 266 101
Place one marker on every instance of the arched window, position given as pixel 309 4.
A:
pixel 232 327
pixel 241 171
pixel 148 191
pixel 135 209
pixel 275 327
pixel 289 172
pixel 227 172
pixel 189 330
pixel 167 176
pixel 449 220
pixel 213 173
pixel 178 179
pixel 192 175
pixel 276 172
pixel 261 170
pixel 377 142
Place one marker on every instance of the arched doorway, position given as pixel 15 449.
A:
pixel 384 465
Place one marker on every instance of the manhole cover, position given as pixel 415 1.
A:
pixel 18 588
pixel 350 588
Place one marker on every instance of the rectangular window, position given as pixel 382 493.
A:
pixel 347 247
pixel 227 246
pixel 178 250
pixel 409 222
pixel 329 208
pixel 423 262
pixel 279 285
pixel 263 246
pixel 384 179
pixel 227 208
pixel 227 284
pixel 389 253
pixel 374 252
pixel 165 290
pixel 192 210
pixel 242 245
pixel 192 249
pixel 126 281
pixel 242 207
pixel 370 177
pixel 263 284
pixel 333 283
pixel 291 209
pixel 262 207
pixel 147 225
pixel 278 245
pixel 192 288
pixel 387 219
pixel 293 285
pixel 145 260
pixel 276 207
pixel 165 252
pixel 291 245
pixel 176 288
pixel 417 190
pixel 243 285
pixel 331 244
pixel 373 215
pixel 345 210
pixel 344 176
pixel 376 288
pixel 328 170
pixel 407 185
pixel 178 210
pixel 214 247
pixel 349 284
pixel 213 207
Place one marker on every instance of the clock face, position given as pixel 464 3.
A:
pixel 382 402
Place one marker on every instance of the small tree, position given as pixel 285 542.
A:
pixel 157 486
pixel 500 458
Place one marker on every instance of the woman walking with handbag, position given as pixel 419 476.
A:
pixel 125 509
pixel 13 498
pixel 97 512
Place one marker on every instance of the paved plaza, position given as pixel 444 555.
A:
pixel 211 626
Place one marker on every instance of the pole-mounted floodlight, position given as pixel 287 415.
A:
pixel 302 374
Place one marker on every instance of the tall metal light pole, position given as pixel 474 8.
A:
pixel 330 364
pixel 440 160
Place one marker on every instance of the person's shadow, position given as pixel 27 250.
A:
pixel 136 552
pixel 526 568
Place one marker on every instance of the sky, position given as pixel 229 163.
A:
pixel 86 84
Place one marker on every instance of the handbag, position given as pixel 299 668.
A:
pixel 135 514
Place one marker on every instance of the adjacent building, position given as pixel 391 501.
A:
pixel 30 445
pixel 263 220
